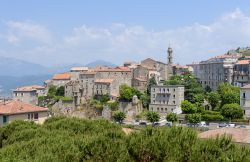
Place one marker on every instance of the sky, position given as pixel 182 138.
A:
pixel 57 32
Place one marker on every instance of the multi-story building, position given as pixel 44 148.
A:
pixel 217 70
pixel 75 72
pixel 166 98
pixel 29 94
pixel 106 86
pixel 58 80
pixel 245 99
pixel 241 76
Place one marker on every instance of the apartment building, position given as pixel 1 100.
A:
pixel 166 98
pixel 245 99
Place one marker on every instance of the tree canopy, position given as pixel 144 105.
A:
pixel 172 117
pixel 187 107
pixel 119 116
pixel 153 117
pixel 76 140
pixel 232 111
pixel 127 93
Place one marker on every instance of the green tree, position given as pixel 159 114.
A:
pixel 52 91
pixel 102 98
pixel 113 105
pixel 213 99
pixel 145 99
pixel 172 117
pixel 60 91
pixel 151 83
pixel 127 93
pixel 194 118
pixel 230 97
pixel 198 99
pixel 119 116
pixel 187 107
pixel 153 117
pixel 232 111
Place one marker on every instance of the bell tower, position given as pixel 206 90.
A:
pixel 170 56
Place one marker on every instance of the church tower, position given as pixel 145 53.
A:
pixel 169 65
pixel 170 56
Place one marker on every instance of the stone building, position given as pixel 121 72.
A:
pixel 106 86
pixel 241 76
pixel 217 70
pixel 164 70
pixel 97 82
pixel 181 69
pixel 75 72
pixel 140 78
pixel 29 94
pixel 245 99
pixel 166 98
pixel 17 110
pixel 58 80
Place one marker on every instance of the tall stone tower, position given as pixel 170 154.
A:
pixel 169 63
pixel 170 56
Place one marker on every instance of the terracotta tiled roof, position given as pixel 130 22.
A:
pixel 63 76
pixel 89 72
pixel 246 86
pixel 242 62
pixel 29 88
pixel 104 80
pixel 17 107
pixel 238 134
pixel 114 70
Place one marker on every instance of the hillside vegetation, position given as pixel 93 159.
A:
pixel 71 139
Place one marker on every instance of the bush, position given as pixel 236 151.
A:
pixel 232 111
pixel 76 140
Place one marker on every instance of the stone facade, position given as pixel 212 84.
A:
pixel 29 94
pixel 245 99
pixel 241 75
pixel 217 70
pixel 166 99
pixel 75 72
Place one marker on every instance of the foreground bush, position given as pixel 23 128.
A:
pixel 71 139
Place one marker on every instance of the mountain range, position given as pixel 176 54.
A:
pixel 15 73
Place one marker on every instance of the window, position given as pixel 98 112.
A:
pixel 5 119
pixel 161 109
pixel 157 108
pixel 35 115
pixel 244 95
pixel 166 109
pixel 174 96
pixel 173 102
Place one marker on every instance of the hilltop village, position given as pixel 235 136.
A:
pixel 136 88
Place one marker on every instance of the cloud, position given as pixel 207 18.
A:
pixel 119 42
pixel 19 31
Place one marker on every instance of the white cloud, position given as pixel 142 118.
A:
pixel 19 31
pixel 119 42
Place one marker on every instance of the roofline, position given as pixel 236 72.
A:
pixel 25 112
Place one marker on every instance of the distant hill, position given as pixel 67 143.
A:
pixel 100 63
pixel 15 73
pixel 8 83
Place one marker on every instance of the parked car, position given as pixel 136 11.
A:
pixel 222 125
pixel 202 124
pixel 242 126
pixel 143 123
pixel 156 124
pixel 231 125
pixel 168 124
